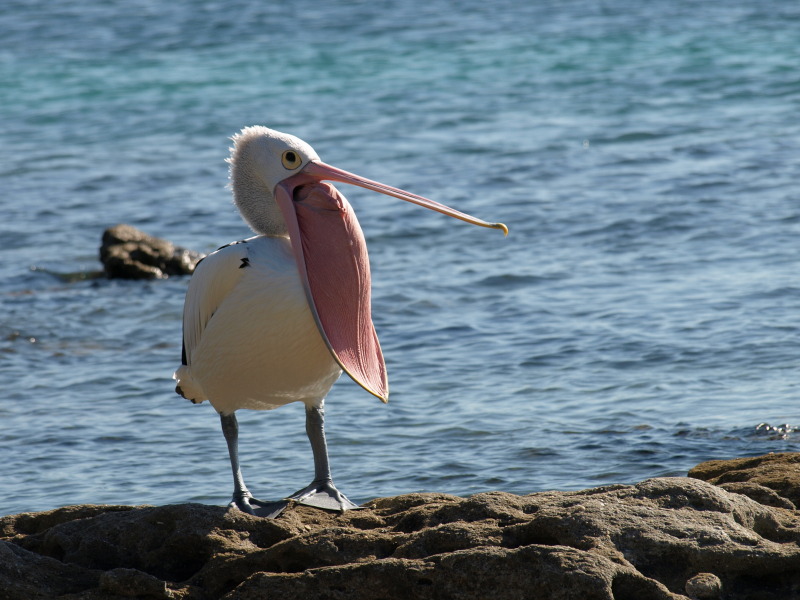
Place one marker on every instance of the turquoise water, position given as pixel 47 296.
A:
pixel 641 317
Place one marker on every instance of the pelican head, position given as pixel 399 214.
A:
pixel 263 159
pixel 260 159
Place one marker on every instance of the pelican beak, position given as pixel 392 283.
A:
pixel 323 172
pixel 331 255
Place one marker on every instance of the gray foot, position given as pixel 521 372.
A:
pixel 323 494
pixel 246 503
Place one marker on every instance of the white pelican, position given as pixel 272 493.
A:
pixel 277 317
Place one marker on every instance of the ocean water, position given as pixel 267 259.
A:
pixel 642 316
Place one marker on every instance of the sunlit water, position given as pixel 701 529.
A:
pixel 641 317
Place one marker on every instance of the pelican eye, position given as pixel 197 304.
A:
pixel 291 159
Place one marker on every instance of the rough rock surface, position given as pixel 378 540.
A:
pixel 772 479
pixel 128 253
pixel 666 538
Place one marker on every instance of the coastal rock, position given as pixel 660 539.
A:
pixel 772 479
pixel 664 538
pixel 704 586
pixel 128 253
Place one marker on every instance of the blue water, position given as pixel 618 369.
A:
pixel 642 316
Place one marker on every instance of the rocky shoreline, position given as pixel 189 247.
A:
pixel 730 531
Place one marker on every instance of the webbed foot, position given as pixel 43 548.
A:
pixel 247 503
pixel 323 494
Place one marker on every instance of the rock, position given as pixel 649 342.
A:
pixel 132 583
pixel 29 575
pixel 128 253
pixel 704 586
pixel 772 479
pixel 661 539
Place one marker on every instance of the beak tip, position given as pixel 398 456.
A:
pixel 503 227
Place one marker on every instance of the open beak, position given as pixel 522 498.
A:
pixel 331 255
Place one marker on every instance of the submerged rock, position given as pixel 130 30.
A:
pixel 128 253
pixel 666 538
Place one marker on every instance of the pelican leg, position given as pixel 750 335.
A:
pixel 321 493
pixel 242 498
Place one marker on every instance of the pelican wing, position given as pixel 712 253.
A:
pixel 214 278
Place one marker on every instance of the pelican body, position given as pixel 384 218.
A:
pixel 276 318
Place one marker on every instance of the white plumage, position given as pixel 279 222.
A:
pixel 263 348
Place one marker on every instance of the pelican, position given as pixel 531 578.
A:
pixel 277 317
